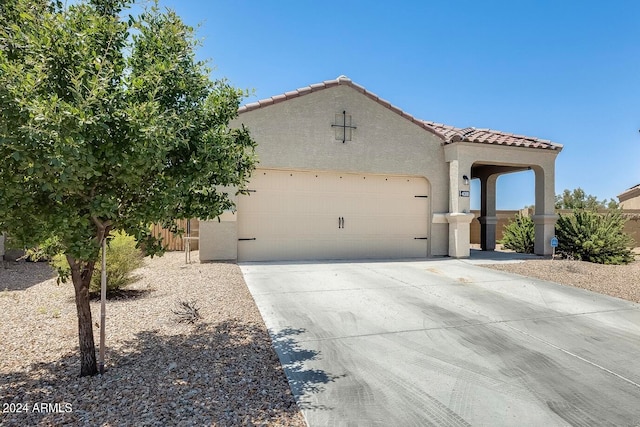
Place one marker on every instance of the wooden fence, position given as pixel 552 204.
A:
pixel 173 242
pixel 632 226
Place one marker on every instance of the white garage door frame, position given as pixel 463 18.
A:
pixel 293 214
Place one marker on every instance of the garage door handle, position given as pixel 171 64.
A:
pixel 340 222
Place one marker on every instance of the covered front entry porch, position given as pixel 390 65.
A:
pixel 544 217
pixel 486 154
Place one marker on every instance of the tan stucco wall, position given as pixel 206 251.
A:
pixel 630 200
pixel 297 134
pixel 631 203
pixel 218 239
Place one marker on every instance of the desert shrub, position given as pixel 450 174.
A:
pixel 590 236
pixel 122 258
pixel 187 312
pixel 519 235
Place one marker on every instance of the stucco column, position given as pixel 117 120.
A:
pixel 545 230
pixel 488 228
pixel 459 218
pixel 457 203
pixel 488 218
pixel 459 234
pixel 454 186
pixel 545 215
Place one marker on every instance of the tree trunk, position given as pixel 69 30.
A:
pixel 81 273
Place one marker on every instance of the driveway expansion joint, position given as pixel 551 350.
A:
pixel 572 354
pixel 310 291
pixel 468 325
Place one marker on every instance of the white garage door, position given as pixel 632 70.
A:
pixel 296 215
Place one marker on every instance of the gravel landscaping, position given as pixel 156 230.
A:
pixel 219 371
pixel 621 281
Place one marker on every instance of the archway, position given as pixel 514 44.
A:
pixel 487 162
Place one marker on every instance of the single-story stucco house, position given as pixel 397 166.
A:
pixel 630 199
pixel 344 174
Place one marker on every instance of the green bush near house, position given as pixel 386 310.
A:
pixel 519 235
pixel 590 236
pixel 122 259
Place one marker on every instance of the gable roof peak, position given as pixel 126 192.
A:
pixel 339 81
pixel 448 134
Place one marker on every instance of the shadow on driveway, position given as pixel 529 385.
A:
pixel 302 380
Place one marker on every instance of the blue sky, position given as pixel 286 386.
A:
pixel 568 71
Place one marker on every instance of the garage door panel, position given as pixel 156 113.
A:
pixel 286 249
pixel 308 226
pixel 282 226
pixel 390 204
pixel 381 226
pixel 294 215
pixel 375 248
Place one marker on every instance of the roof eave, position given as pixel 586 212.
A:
pixel 630 193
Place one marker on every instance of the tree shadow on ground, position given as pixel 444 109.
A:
pixel 225 374
pixel 21 275
pixel 304 382
pixel 122 294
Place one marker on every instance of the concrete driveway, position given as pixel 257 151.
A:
pixel 446 342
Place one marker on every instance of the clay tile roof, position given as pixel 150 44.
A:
pixel 488 136
pixel 449 134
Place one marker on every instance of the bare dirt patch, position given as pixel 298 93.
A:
pixel 221 370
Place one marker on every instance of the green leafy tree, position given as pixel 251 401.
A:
pixel 519 235
pixel 578 199
pixel 589 236
pixel 109 123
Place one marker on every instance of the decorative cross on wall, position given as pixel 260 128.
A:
pixel 343 121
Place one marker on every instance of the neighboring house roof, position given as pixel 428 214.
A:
pixel 629 193
pixel 449 134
